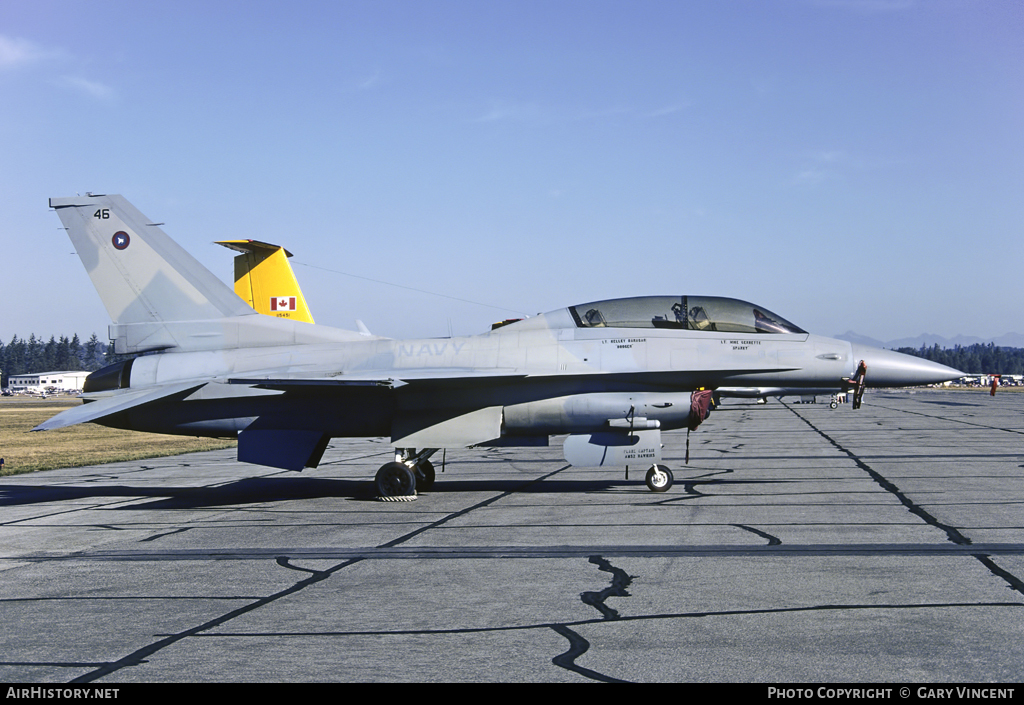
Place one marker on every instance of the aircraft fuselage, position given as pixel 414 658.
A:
pixel 612 374
pixel 548 375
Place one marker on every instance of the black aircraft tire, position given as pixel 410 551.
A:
pixel 425 476
pixel 396 480
pixel 659 481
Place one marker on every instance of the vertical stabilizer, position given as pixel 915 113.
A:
pixel 141 275
pixel 265 280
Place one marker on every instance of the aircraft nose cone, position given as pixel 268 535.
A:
pixel 887 368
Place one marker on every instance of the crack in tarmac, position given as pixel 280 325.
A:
pixel 620 581
pixel 578 645
pixel 946 418
pixel 140 656
pixel 952 533
pixel 772 540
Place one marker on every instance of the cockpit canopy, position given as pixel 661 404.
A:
pixel 706 313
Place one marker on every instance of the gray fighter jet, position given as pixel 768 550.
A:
pixel 611 374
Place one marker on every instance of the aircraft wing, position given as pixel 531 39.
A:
pixel 413 425
pixel 108 406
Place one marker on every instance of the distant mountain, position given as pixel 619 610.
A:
pixel 852 337
pixel 1008 340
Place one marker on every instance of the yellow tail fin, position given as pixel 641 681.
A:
pixel 265 280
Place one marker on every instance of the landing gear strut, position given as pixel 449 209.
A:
pixel 424 475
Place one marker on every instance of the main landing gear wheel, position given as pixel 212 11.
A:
pixel 659 478
pixel 424 475
pixel 396 480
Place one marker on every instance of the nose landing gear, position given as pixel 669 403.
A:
pixel 659 478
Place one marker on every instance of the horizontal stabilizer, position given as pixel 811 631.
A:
pixel 285 449
pixel 108 406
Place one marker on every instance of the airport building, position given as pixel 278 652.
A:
pixel 47 382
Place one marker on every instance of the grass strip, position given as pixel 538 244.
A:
pixel 76 446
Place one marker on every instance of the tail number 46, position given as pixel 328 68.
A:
pixel 102 214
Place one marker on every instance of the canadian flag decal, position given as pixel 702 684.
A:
pixel 282 303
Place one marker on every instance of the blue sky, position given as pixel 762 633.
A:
pixel 850 164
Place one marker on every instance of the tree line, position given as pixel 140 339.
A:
pixel 979 358
pixel 27 356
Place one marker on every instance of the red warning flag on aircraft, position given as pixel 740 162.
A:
pixel 282 303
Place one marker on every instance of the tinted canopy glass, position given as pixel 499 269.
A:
pixel 707 313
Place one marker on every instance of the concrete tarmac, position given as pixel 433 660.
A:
pixel 801 544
